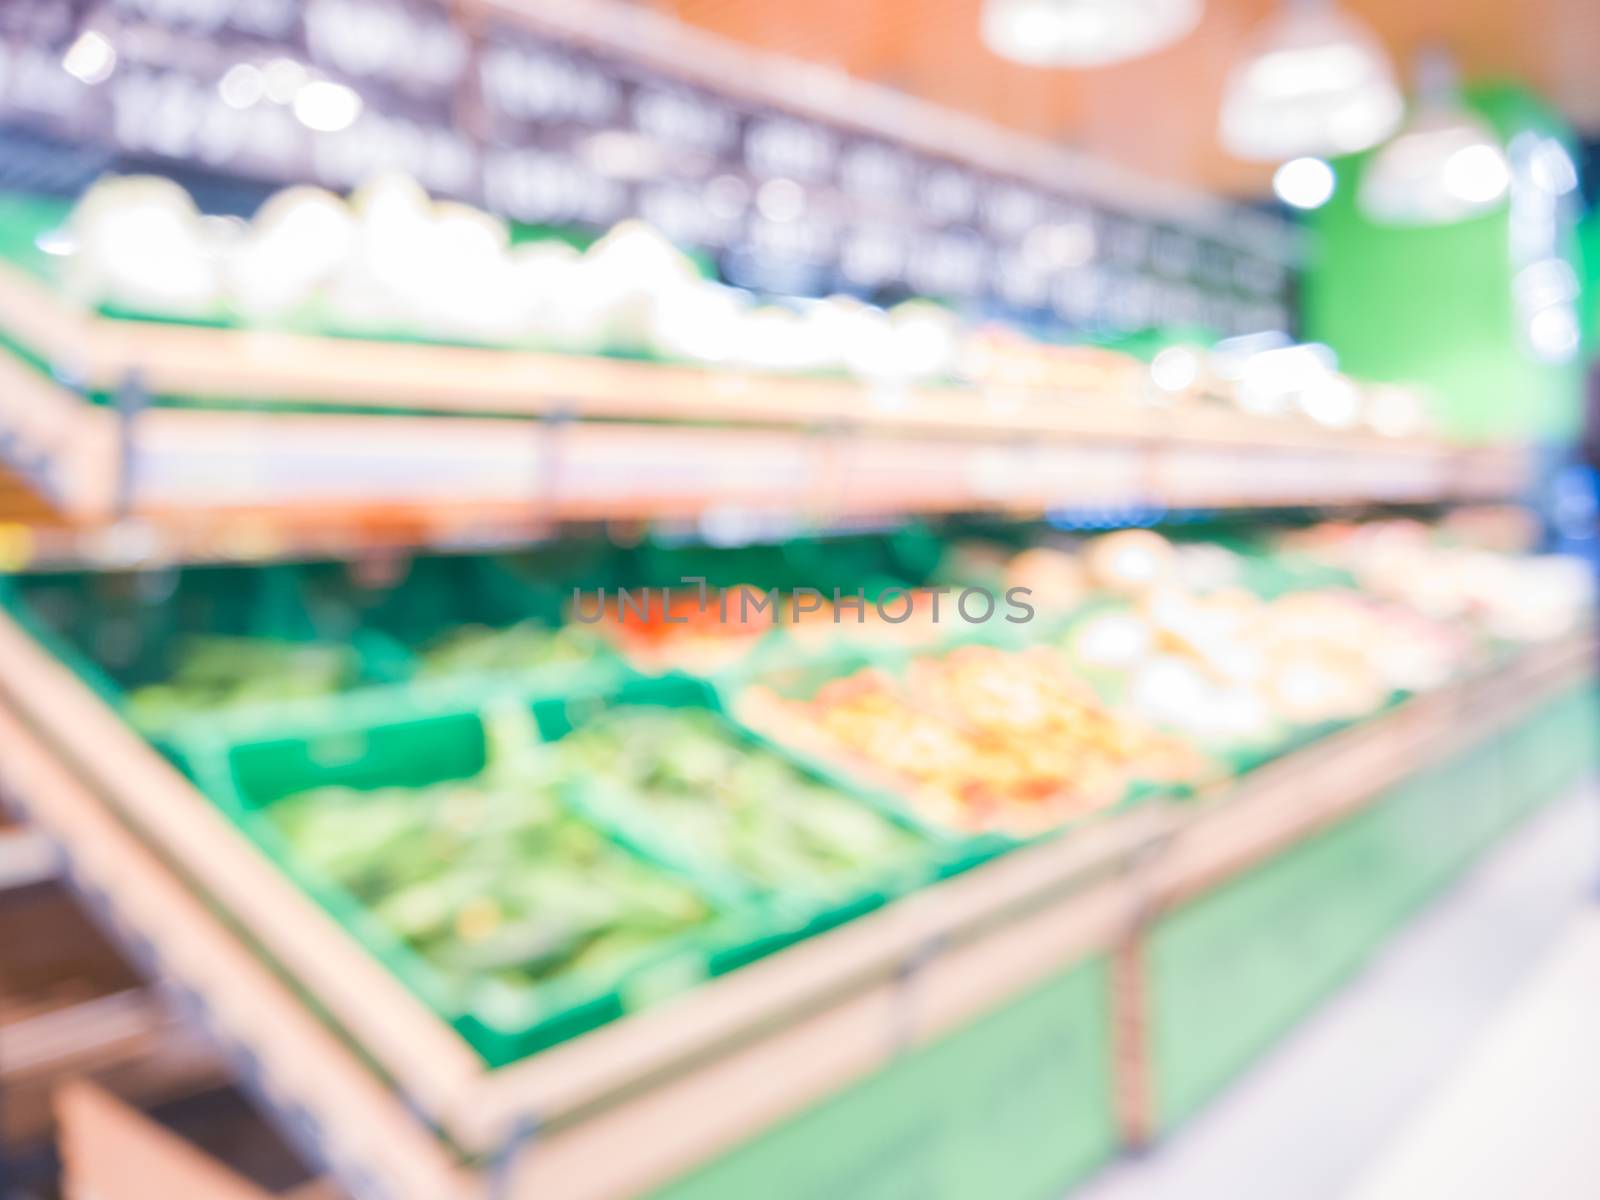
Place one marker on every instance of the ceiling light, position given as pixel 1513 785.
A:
pixel 1446 164
pixel 1084 33
pixel 326 107
pixel 781 200
pixel 283 79
pixel 56 242
pixel 1552 168
pixel 619 154
pixel 1175 369
pixel 1304 182
pixel 1316 83
pixel 91 58
pixel 1545 282
pixel 1553 334
pixel 1477 174
pixel 242 86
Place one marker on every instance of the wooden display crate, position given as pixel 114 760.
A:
pixel 1234 956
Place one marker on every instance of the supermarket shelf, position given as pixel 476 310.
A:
pixel 496 446
pixel 751 1047
pixel 127 1040
pixel 281 368
pixel 69 1006
pixel 242 1002
pixel 839 1001
pixel 1247 821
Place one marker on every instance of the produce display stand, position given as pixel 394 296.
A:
pixel 1264 905
pixel 70 1006
pixel 128 1039
pixel 289 441
pixel 114 1152
pixel 393 1103
pixel 994 1036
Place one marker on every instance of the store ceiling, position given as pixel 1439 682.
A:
pixel 1158 114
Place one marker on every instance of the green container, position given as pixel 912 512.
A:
pixel 120 631
pixel 791 916
pixel 438 595
pixel 245 778
pixel 1017 1105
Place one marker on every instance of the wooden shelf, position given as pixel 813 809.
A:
pixel 393 1094
pixel 26 858
pixel 71 1007
pixel 505 445
pixel 127 1040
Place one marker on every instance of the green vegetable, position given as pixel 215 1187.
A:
pixel 216 673
pixel 488 878
pixel 498 885
pixel 738 806
pixel 525 647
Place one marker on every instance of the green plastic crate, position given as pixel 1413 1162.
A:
pixel 390 737
pixel 122 630
pixel 436 595
pixel 245 777
pixel 791 916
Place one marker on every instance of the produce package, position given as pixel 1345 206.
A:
pixel 493 885
pixel 978 741
pixel 445 844
pixel 1241 674
pixel 392 261
pixel 1033 708
pixel 1505 596
pixel 215 674
pixel 685 781
pixel 681 631
pixel 528 648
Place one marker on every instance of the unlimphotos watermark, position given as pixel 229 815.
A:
pixel 743 603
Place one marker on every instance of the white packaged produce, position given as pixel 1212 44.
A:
pixel 1130 561
pixel 139 242
pixel 378 288
pixel 299 241
pixel 926 340
pixel 556 305
pixel 635 274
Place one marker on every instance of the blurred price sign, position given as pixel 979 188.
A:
pixel 797 193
